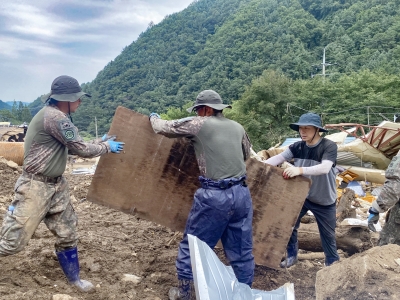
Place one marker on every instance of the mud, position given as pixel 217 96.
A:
pixel 113 244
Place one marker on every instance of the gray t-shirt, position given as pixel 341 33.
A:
pixel 323 187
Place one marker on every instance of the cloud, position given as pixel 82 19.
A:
pixel 42 39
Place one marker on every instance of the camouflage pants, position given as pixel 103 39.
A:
pixel 390 233
pixel 35 201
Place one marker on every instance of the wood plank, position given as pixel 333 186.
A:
pixel 156 177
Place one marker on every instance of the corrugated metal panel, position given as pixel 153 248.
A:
pixel 350 159
pixel 290 141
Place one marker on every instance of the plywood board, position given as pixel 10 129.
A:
pixel 155 178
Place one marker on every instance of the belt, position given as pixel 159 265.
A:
pixel 222 184
pixel 42 178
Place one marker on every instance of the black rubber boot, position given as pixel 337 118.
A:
pixel 184 291
pixel 291 258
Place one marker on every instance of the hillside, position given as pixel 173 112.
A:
pixel 225 44
pixel 4 105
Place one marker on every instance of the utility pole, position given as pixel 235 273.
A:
pixel 324 64
pixel 95 125
pixel 368 114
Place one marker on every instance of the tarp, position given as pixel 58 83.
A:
pixel 215 281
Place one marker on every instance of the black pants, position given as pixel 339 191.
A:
pixel 326 220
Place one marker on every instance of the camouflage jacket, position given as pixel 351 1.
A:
pixel 390 192
pixel 49 137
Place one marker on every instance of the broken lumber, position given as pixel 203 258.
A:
pixel 349 239
pixel 155 179
pixel 344 209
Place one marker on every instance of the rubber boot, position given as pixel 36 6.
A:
pixel 69 263
pixel 291 258
pixel 330 260
pixel 184 291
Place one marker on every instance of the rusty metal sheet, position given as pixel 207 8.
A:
pixel 156 177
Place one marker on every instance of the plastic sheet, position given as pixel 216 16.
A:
pixel 215 281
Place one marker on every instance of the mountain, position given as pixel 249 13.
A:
pixel 12 102
pixel 4 105
pixel 226 44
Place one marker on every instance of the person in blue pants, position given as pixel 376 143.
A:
pixel 315 158
pixel 222 206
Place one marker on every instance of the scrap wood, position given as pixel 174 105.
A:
pixel 344 209
pixel 155 178
pixel 349 239
pixel 316 255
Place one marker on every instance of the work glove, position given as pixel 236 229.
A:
pixel 108 137
pixel 153 114
pixel 292 172
pixel 373 218
pixel 116 147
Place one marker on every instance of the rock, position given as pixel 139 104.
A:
pixel 12 165
pixel 73 199
pixel 373 274
pixel 96 267
pixel 132 278
pixel 63 297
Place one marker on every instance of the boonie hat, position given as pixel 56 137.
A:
pixel 209 98
pixel 65 88
pixel 308 119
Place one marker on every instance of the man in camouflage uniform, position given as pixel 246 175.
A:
pixel 41 192
pixel 388 199
pixel 222 207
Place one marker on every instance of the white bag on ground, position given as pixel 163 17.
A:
pixel 215 281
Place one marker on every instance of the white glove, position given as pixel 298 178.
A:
pixel 292 172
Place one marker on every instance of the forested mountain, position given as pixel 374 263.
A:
pixel 227 45
pixel 4 105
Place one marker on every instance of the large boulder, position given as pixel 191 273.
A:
pixel 373 274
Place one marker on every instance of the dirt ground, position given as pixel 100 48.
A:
pixel 113 244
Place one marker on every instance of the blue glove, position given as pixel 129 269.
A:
pixel 153 114
pixel 116 147
pixel 107 137
pixel 373 218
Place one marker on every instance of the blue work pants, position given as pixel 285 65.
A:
pixel 221 210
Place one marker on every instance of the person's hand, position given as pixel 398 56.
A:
pixel 292 172
pixel 116 147
pixel 108 137
pixel 373 218
pixel 153 114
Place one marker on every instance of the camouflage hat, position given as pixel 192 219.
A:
pixel 308 119
pixel 209 98
pixel 65 88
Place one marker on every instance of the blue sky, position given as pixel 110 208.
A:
pixel 42 39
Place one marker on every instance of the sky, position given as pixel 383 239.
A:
pixel 43 39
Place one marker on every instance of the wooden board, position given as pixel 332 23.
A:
pixel 156 177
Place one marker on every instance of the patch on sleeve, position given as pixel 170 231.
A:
pixel 69 134
pixel 68 130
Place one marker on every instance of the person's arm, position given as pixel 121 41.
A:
pixel 323 168
pixel 62 129
pixel 186 127
pixel 390 192
pixel 275 160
